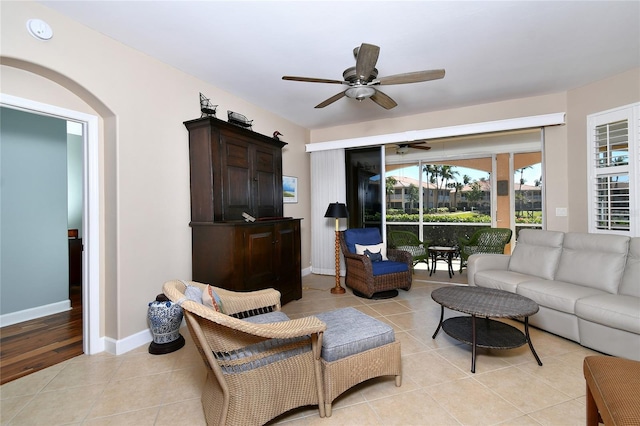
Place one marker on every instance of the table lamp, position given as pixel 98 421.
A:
pixel 337 211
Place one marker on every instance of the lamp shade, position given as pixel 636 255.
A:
pixel 337 210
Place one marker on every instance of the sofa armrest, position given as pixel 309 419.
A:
pixel 485 262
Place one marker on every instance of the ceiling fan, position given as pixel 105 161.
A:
pixel 404 147
pixel 362 78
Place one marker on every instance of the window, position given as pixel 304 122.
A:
pixel 613 166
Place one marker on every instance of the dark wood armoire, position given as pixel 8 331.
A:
pixel 234 171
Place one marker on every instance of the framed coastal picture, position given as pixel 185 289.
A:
pixel 289 189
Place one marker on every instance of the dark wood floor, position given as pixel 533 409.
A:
pixel 40 343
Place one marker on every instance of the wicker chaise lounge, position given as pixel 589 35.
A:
pixel 255 371
pixel 261 364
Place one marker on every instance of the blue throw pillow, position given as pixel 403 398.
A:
pixel 375 257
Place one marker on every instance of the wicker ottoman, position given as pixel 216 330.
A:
pixel 355 348
pixel 613 386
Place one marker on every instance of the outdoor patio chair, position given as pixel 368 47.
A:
pixel 408 241
pixel 485 240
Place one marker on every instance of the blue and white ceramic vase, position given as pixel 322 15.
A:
pixel 165 318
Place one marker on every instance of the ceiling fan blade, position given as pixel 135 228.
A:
pixel 312 80
pixel 366 60
pixel 425 148
pixel 383 100
pixel 411 77
pixel 330 100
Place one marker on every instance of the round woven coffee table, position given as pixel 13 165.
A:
pixel 485 303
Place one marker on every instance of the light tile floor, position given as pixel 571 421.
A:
pixel 508 388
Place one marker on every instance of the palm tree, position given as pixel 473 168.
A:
pixel 412 192
pixel 446 173
pixel 457 186
pixel 432 170
pixel 390 188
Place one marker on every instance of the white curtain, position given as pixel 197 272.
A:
pixel 328 185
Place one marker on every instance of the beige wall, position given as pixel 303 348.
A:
pixel 623 89
pixel 144 156
pixel 144 149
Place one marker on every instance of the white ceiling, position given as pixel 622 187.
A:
pixel 491 51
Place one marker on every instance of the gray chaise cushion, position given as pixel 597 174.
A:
pixel 269 317
pixel 232 362
pixel 593 260
pixel 537 253
pixel 349 332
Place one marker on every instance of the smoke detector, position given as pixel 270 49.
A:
pixel 39 29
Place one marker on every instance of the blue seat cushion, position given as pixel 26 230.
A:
pixel 362 236
pixel 388 267
pixel 349 332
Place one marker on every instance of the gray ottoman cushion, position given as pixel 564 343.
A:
pixel 349 332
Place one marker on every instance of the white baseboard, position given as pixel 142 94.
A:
pixel 323 271
pixel 144 337
pixel 33 313
pixel 306 271
pixel 118 347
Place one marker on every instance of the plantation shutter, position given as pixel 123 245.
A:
pixel 613 165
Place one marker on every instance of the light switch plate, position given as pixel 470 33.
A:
pixel 561 211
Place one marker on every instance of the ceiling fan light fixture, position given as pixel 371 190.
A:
pixel 360 92
pixel 402 150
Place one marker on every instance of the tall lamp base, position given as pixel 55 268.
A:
pixel 337 289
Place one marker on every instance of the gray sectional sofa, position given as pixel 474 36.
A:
pixel 587 285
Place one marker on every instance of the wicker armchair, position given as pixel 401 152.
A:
pixel 408 241
pixel 360 276
pixel 255 371
pixel 486 240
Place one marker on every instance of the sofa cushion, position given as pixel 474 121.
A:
pixel 388 267
pixel 349 332
pixel 537 253
pixel 556 295
pixel 363 236
pixel 501 280
pixel 630 284
pixel 593 260
pixel 612 310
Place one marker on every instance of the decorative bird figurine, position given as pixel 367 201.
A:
pixel 276 135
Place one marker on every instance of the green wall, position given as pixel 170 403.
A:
pixel 33 211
